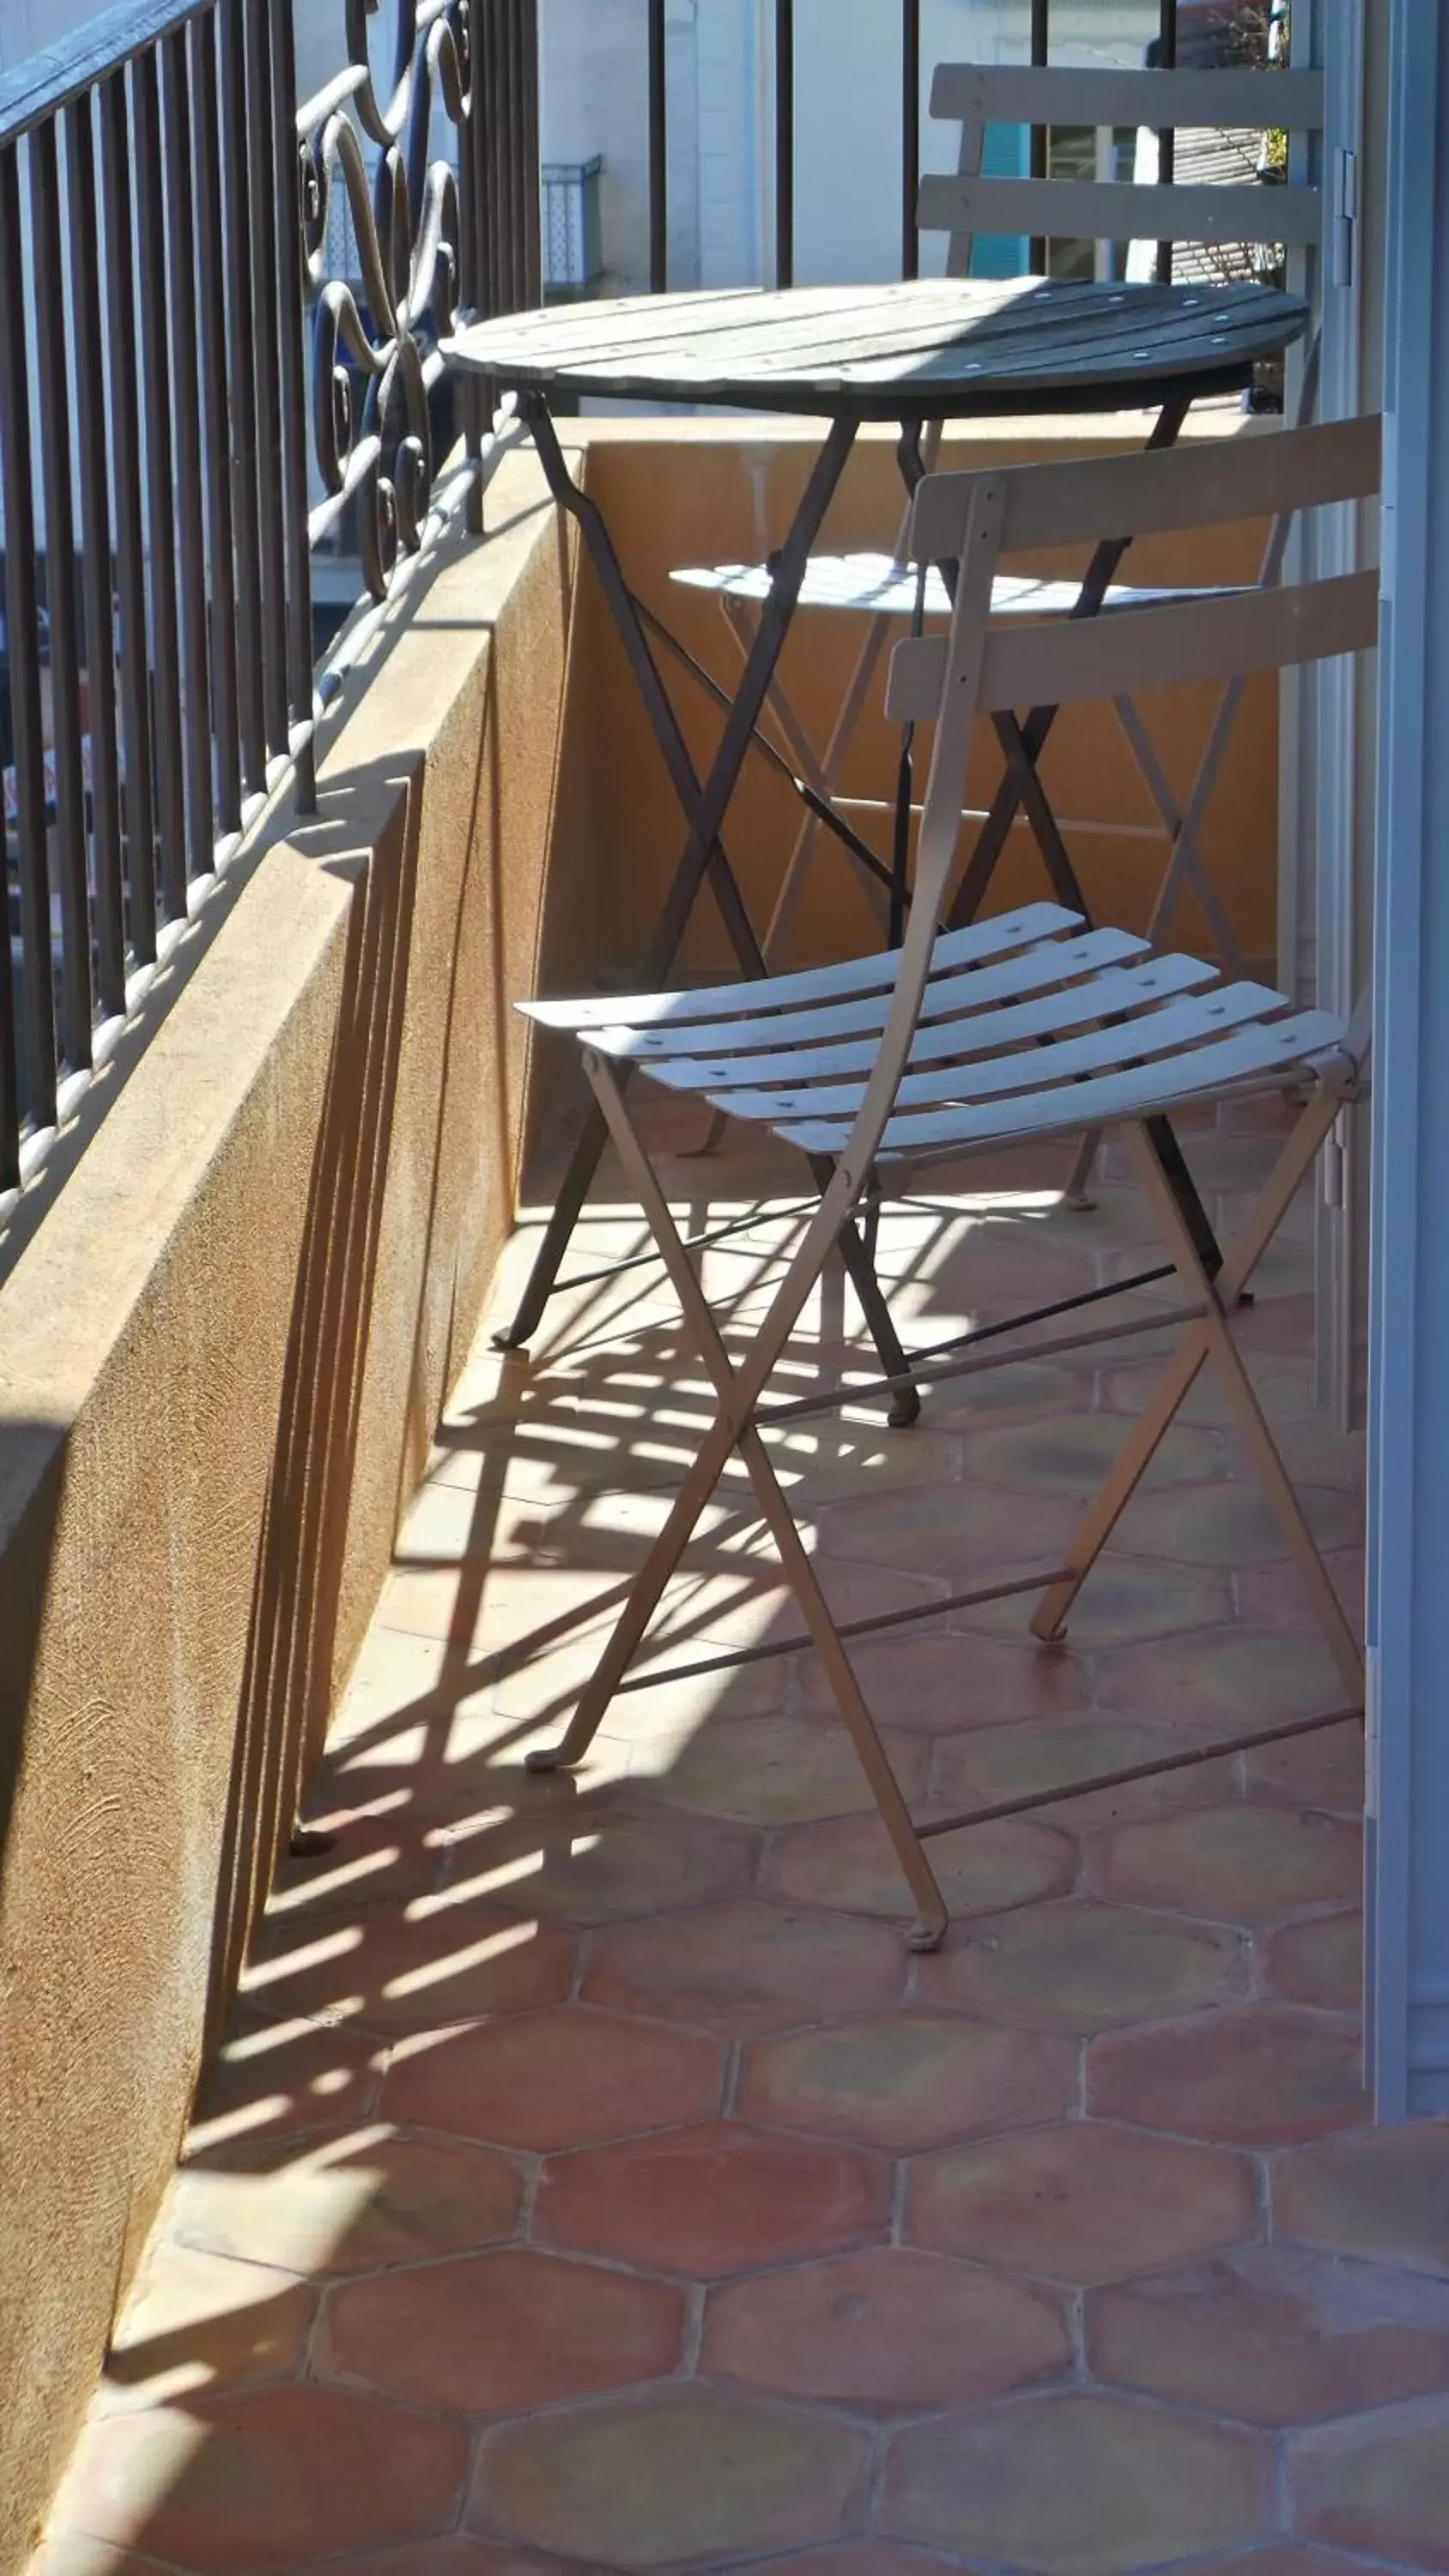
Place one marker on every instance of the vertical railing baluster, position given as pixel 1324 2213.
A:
pixel 265 317
pixel 521 221
pixel 93 442
pixel 216 423
pixel 658 151
pixel 532 180
pixel 187 498
pixel 241 367
pixel 910 136
pixel 52 307
pixel 22 616
pixel 495 106
pixel 506 146
pixel 292 397
pixel 1167 140
pixel 156 380
pixel 137 800
pixel 1040 135
pixel 784 142
pixel 478 396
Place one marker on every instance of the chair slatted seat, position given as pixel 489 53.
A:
pixel 875 585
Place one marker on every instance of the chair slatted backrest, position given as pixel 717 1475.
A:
pixel 1212 637
pixel 967 522
pixel 974 201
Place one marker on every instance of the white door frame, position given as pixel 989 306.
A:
pixel 1408 1874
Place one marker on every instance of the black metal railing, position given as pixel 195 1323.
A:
pixel 190 403
pixel 1164 51
pixel 220 315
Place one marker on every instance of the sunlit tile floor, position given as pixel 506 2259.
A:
pixel 593 2182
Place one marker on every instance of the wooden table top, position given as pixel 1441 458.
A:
pixel 934 349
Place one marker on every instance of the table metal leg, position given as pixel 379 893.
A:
pixel 991 839
pixel 705 804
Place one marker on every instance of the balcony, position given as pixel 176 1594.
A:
pixel 427 2168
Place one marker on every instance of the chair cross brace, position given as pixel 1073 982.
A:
pixel 1220 1750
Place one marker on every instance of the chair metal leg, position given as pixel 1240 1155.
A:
pixel 735 1428
pixel 1198 1344
pixel 1223 1351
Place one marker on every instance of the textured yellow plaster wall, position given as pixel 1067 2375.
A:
pixel 221 1357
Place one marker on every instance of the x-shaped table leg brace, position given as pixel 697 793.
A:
pixel 705 804
pixel 1210 1339
pixel 734 1428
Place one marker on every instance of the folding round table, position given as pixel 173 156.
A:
pixel 932 350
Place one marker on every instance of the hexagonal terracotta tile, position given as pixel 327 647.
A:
pixel 199 2321
pixel 937 1684
pixel 1231 1524
pixel 557 2079
pixel 454 2556
pixel 1123 1599
pixel 388 1972
pixel 1072 1454
pixel 1276 1595
pixel 745 1968
pixel 71 2553
pixel 1284 1388
pixel 1234 1864
pixel 500 2332
pixel 994 1764
pixel 285 2079
pixel 780 1771
pixel 379 1859
pixel 1078 2486
pixel 1380 2485
pixel 592 1864
pixel 951 1530
pixel 1286 2559
pixel 1320 1963
pixel 264 2481
pixel 1274 2336
pixel 908 2080
pixel 686 2476
pixel 1232 1679
pixel 1259 2076
pixel 1083 1967
pixel 345 2203
pixel 888 2328
pixel 1083 2203
pixel 853 2558
pixel 712 2200
pixel 849 1864
pixel 1325 1769
pixel 1384 2195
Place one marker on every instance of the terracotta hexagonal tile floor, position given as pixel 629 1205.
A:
pixel 712 2200
pixel 593 2183
pixel 1078 2486
pixel 890 2328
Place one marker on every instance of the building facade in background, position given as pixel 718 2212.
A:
pixel 721 91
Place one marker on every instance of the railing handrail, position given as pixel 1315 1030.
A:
pixel 39 88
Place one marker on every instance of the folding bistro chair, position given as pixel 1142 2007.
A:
pixel 1209 220
pixel 1015 1029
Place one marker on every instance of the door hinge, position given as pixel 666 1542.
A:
pixel 1343 229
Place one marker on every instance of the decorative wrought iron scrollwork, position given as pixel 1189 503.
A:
pixel 376 450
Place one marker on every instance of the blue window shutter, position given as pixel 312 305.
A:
pixel 1007 156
